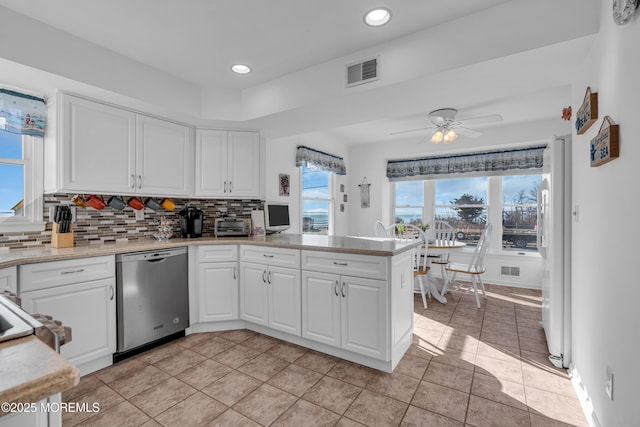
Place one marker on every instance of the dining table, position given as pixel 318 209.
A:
pixel 443 248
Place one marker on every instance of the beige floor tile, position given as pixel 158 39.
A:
pixel 195 339
pixel 231 418
pixel 555 406
pixel 460 343
pixel 347 422
pixel 418 351
pixel 532 333
pixel 263 367
pixel 510 371
pixel 203 374
pixel 441 400
pixel 529 323
pixel 103 396
pixel 304 413
pixel 528 313
pixel 495 351
pixel 548 380
pixel 120 369
pixel 159 353
pixel 196 410
pixel 499 327
pixel 373 409
pixel 287 351
pixel 213 346
pixel 417 417
pixel 352 373
pixel 397 386
pixel 465 321
pixel 502 339
pixel 332 394
pixel 483 412
pixel 260 342
pixel 540 421
pixel 238 335
pixel 162 396
pixel 428 334
pixel 122 415
pixel 295 379
pixel 138 381
pixel 265 404
pixel 538 346
pixel 462 330
pixel 499 390
pixel 500 308
pixel 449 376
pixel 500 317
pixel 232 387
pixel 456 358
pixel 236 356
pixel 412 366
pixel 316 361
pixel 540 361
pixel 180 361
pixel 151 423
pixel 87 383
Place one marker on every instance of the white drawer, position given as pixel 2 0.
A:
pixel 271 256
pixel 218 253
pixel 367 266
pixel 56 273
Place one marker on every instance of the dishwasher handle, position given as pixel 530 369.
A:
pixel 156 260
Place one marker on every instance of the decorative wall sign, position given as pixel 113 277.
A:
pixel 588 112
pixel 344 198
pixel 342 188
pixel 364 193
pixel 606 145
pixel 284 184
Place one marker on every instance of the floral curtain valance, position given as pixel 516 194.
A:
pixel 487 162
pixel 22 114
pixel 313 158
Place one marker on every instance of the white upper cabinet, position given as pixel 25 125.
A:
pixel 97 148
pixel 164 157
pixel 227 164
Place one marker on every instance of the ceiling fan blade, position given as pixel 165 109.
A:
pixel 468 132
pixel 493 118
pixel 411 130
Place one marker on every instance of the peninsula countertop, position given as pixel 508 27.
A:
pixel 343 244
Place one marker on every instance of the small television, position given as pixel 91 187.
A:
pixel 276 217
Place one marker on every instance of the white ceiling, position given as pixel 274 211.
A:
pixel 509 57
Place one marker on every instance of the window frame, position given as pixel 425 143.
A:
pixel 32 160
pixel 330 200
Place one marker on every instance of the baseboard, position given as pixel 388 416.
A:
pixel 583 397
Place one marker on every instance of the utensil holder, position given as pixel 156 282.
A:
pixel 61 240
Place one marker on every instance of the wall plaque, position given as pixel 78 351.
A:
pixel 588 112
pixel 606 144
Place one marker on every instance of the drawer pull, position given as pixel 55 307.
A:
pixel 72 271
pixel 267 256
pixel 343 264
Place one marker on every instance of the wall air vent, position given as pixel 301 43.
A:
pixel 363 72
pixel 509 271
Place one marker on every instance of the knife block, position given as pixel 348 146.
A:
pixel 61 240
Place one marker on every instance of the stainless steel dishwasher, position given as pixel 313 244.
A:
pixel 152 297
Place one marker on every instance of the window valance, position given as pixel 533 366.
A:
pixel 313 158
pixel 21 113
pixel 486 162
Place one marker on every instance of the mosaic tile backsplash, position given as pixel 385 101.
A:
pixel 111 225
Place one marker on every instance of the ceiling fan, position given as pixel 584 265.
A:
pixel 446 128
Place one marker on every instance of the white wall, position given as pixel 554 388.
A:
pixel 281 158
pixel 605 291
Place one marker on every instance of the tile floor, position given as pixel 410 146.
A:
pixel 466 367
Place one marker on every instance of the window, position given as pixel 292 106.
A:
pixel 520 212
pixel 20 183
pixel 409 203
pixel 317 200
pixel 462 202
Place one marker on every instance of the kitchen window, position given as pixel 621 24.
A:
pixel 520 212
pixel 317 200
pixel 21 187
pixel 409 204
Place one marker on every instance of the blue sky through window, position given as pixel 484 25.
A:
pixel 315 184
pixel 11 175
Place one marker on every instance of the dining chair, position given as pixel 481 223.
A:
pixel 409 232
pixel 379 230
pixel 475 269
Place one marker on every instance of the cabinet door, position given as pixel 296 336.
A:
pixel 218 291
pixel 244 164
pixel 165 157
pixel 321 307
pixel 284 299
pixel 365 316
pixel 9 279
pixel 98 143
pixel 88 308
pixel 254 293
pixel 211 163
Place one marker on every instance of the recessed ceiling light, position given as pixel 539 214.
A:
pixel 241 69
pixel 377 17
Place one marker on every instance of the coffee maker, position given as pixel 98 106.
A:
pixel 191 220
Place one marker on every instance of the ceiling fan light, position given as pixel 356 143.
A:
pixel 452 135
pixel 437 137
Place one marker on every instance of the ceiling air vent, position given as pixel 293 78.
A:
pixel 363 72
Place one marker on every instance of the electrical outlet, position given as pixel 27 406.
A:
pixel 608 383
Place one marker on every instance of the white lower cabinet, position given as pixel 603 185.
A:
pixel 9 279
pixel 217 283
pixel 270 288
pixel 346 312
pixel 80 293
